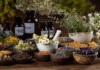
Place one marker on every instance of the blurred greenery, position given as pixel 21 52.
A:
pixel 82 6
pixel 7 9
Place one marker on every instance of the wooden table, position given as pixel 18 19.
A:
pixel 52 66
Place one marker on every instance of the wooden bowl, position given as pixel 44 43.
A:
pixel 61 61
pixel 67 52
pixel 42 58
pixel 22 61
pixel 7 62
pixel 84 59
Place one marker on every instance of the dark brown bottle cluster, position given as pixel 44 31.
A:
pixel 47 28
pixel 25 28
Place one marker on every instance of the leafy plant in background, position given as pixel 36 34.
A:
pixel 7 9
pixel 82 6
pixel 73 22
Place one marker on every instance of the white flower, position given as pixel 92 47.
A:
pixel 96 14
pixel 97 26
pixel 91 20
pixel 35 36
pixel 98 34
pixel 83 17
pixel 99 22
pixel 47 41
pixel 89 15
pixel 57 42
pixel 41 41
pixel 54 41
pixel 44 36
pixel 98 31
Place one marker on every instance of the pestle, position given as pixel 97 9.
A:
pixel 57 35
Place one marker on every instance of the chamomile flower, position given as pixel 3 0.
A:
pixel 52 41
pixel 56 41
pixel 39 37
pixel 97 26
pixel 47 41
pixel 89 15
pixel 97 34
pixel 35 36
pixel 84 17
pixel 99 22
pixel 44 36
pixel 96 14
pixel 98 31
pixel 41 41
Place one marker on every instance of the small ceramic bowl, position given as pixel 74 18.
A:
pixel 42 58
pixel 61 61
pixel 83 37
pixel 84 59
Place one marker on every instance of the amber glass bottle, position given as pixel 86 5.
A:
pixel 7 28
pixel 29 24
pixel 51 30
pixel 18 27
pixel 44 29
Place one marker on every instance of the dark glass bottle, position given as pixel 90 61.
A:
pixel 19 27
pixel 35 20
pixel 41 28
pixel 29 24
pixel 44 29
pixel 51 30
pixel 7 28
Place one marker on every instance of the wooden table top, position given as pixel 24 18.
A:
pixel 52 66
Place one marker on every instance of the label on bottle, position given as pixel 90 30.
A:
pixel 44 32
pixel 19 31
pixel 51 33
pixel 29 28
pixel 8 33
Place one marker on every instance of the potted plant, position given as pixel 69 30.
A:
pixel 78 31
